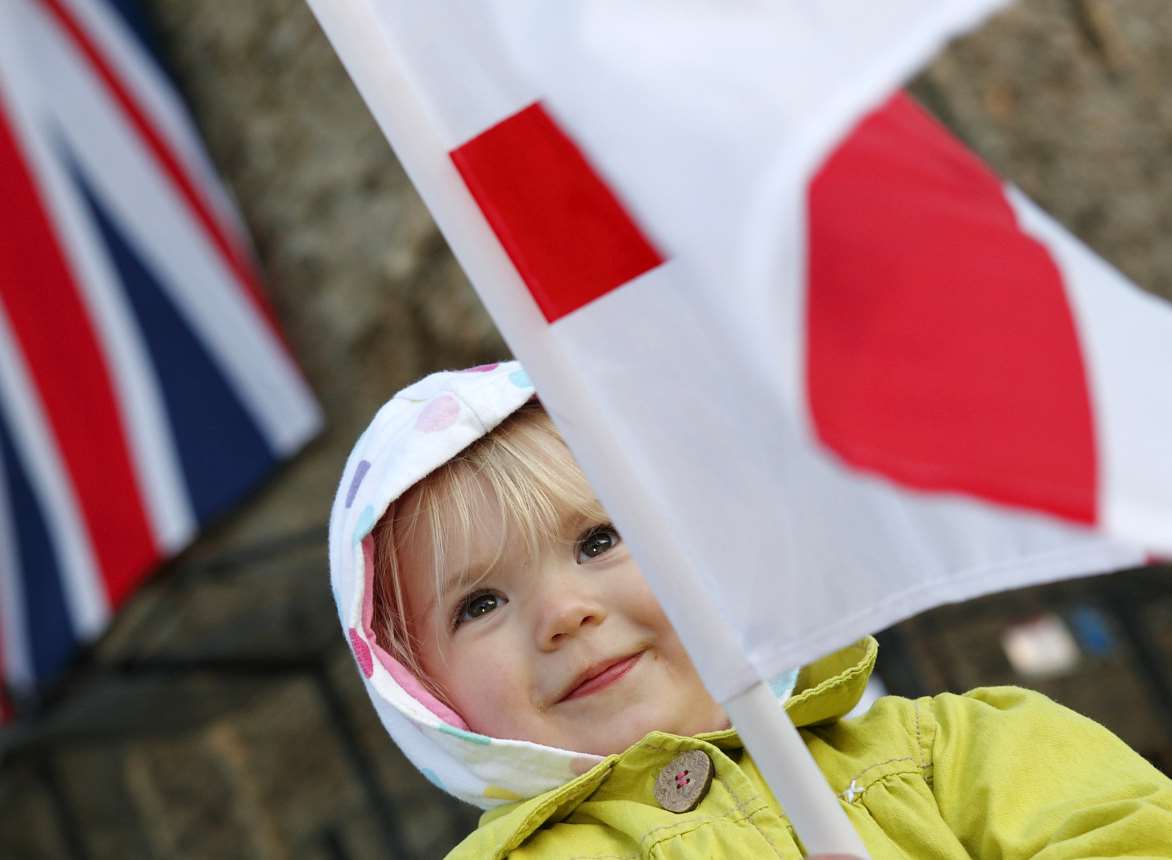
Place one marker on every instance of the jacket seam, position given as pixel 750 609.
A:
pixel 926 745
pixel 761 832
pixel 696 823
pixel 884 778
pixel 919 748
pixel 881 764
pixel 762 805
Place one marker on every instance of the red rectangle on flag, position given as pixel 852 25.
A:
pixel 570 238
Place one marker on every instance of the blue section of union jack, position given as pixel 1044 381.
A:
pixel 144 386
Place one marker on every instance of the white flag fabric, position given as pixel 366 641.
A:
pixel 822 367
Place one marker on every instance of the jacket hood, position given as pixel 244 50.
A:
pixel 418 430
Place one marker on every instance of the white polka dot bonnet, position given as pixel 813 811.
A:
pixel 415 432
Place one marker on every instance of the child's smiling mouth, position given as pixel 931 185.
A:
pixel 599 676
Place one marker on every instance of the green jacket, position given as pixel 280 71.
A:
pixel 997 773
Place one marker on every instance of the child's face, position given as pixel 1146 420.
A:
pixel 568 649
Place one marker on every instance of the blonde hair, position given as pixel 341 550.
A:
pixel 525 466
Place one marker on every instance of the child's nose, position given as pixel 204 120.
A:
pixel 564 616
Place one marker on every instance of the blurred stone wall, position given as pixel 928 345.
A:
pixel 1068 98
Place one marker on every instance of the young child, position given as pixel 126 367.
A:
pixel 517 657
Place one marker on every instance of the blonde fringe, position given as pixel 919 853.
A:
pixel 526 467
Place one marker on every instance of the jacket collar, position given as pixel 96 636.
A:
pixel 826 690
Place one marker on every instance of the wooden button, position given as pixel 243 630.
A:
pixel 683 783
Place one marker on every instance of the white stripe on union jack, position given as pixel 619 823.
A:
pixel 31 458
pixel 144 385
pixel 141 74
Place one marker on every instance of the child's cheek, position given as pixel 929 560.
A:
pixel 487 676
pixel 490 693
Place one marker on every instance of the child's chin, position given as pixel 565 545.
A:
pixel 617 739
pixel 606 749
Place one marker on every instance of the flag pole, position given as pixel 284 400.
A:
pixel 368 52
pixel 791 772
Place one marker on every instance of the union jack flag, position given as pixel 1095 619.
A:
pixel 144 384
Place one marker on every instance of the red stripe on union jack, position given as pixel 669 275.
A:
pixel 68 367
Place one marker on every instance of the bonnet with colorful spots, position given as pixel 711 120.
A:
pixel 414 433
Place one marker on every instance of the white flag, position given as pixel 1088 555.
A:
pixel 823 368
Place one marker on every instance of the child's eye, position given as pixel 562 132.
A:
pixel 597 541
pixel 477 605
